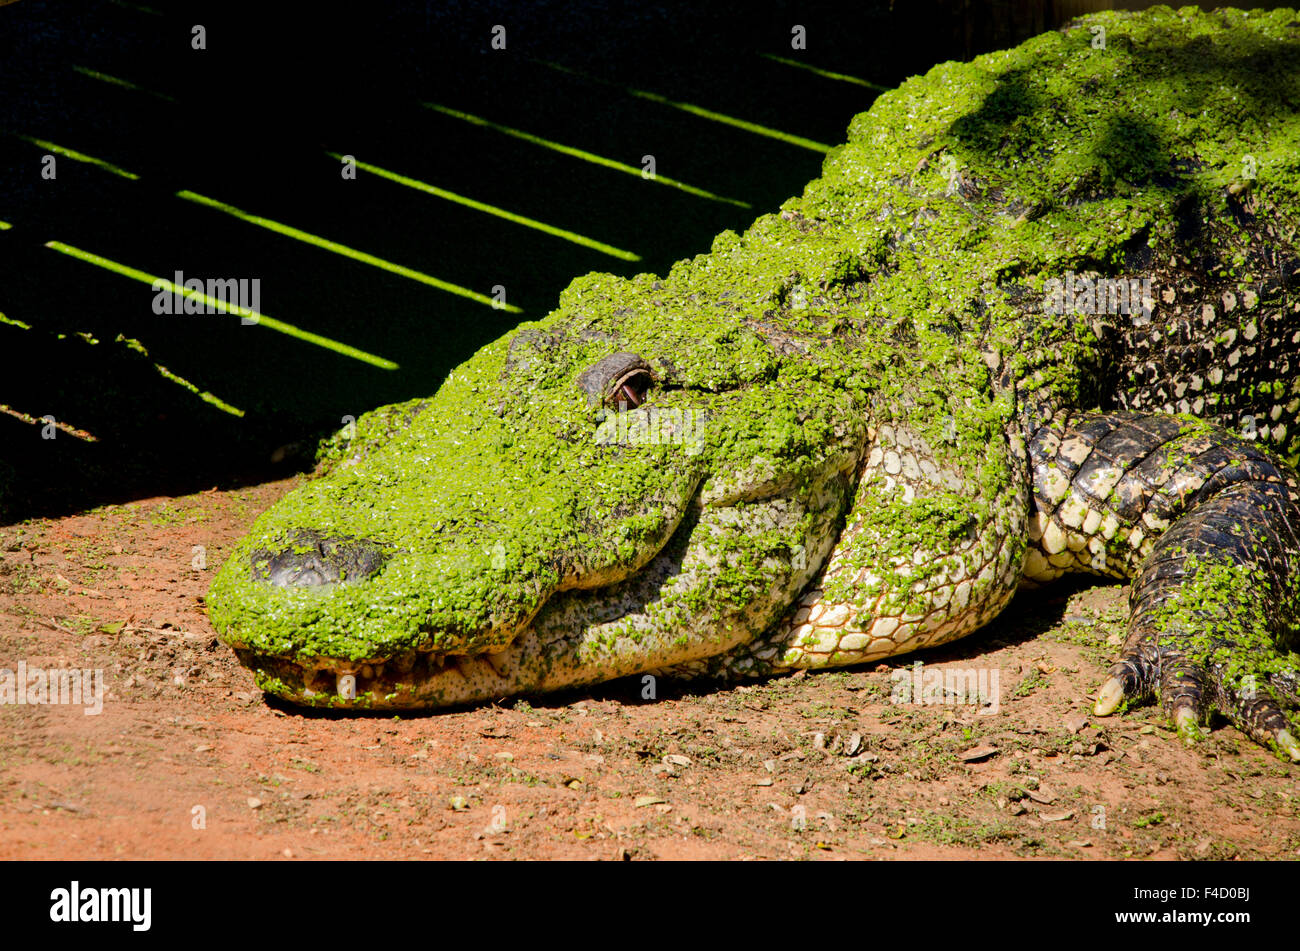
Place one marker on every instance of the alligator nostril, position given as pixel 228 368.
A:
pixel 311 560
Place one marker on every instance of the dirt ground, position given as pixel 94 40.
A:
pixel 188 760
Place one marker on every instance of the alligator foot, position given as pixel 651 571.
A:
pixel 1213 607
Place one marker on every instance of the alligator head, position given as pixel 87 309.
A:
pixel 610 490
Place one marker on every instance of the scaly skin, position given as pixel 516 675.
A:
pixel 858 429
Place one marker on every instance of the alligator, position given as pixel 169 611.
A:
pixel 1037 317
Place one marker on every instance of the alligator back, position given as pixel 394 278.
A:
pixel 1219 334
pixel 1112 208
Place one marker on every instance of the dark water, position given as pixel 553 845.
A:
pixel 250 122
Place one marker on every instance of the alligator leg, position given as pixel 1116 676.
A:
pixel 1209 604
pixel 1206 526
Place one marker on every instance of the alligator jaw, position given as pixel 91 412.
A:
pixel 399 682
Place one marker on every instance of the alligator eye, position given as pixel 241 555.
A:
pixel 620 378
pixel 631 388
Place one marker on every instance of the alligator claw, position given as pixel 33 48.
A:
pixel 1192 693
pixel 1109 697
